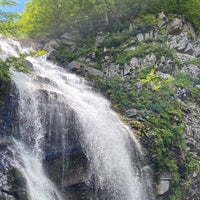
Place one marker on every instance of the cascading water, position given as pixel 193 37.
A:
pixel 47 96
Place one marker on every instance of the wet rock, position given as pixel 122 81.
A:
pixel 196 49
pixel 26 42
pixel 52 55
pixel 8 110
pixel 12 184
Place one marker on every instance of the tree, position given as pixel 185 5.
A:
pixel 7 25
pixel 44 16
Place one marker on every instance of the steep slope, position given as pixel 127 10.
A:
pixel 151 75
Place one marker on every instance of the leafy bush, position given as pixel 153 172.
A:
pixel 183 80
pixel 114 40
pixel 17 63
pixel 146 22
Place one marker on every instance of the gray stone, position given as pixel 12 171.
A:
pixel 163 75
pixel 192 69
pixel 196 49
pixel 51 45
pixel 169 67
pixel 41 39
pixel 140 37
pixel 26 42
pixel 135 63
pixel 67 39
pixel 164 184
pixel 175 26
pixel 37 46
pixel 130 28
pixel 189 49
pixel 192 121
pixel 52 55
pixel 181 46
pixel 112 71
pixel 126 70
pixel 149 60
pixel 140 86
pixel 184 57
pixel 163 187
pixel 162 19
pixel 188 28
pixel 131 113
pixel 162 59
pixel 83 69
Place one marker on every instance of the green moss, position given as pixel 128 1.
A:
pixel 175 193
pixel 196 91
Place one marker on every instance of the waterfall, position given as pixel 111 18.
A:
pixel 49 100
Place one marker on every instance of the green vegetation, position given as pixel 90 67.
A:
pixel 16 63
pixel 7 24
pixel 58 16
pixel 196 91
pixel 158 122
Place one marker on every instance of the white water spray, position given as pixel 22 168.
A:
pixel 113 152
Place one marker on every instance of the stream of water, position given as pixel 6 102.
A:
pixel 114 155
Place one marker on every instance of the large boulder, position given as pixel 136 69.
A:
pixel 51 45
pixel 192 70
pixel 83 69
pixel 68 41
pixel 175 26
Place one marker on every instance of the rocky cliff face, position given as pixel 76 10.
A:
pixel 143 61
pixel 66 166
pixel 172 50
pixel 12 184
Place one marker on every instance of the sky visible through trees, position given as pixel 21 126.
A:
pixel 18 8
